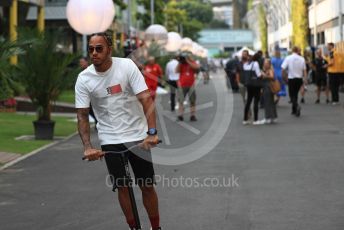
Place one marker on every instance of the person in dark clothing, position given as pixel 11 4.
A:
pixel 231 70
pixel 320 68
pixel 260 60
pixel 253 91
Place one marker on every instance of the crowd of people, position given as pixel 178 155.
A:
pixel 181 72
pixel 256 77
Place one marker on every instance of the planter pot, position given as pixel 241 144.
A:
pixel 44 130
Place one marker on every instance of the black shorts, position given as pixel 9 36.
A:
pixel 321 79
pixel 142 166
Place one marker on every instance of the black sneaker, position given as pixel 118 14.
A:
pixel 327 101
pixel 298 112
pixel 180 118
pixel 193 118
pixel 317 101
pixel 302 100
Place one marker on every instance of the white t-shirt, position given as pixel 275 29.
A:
pixel 113 97
pixel 295 65
pixel 254 66
pixel 171 70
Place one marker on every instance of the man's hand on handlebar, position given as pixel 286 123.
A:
pixel 93 154
pixel 150 142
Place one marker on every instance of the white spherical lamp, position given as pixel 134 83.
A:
pixel 156 33
pixel 195 48
pixel 174 42
pixel 90 16
pixel 186 44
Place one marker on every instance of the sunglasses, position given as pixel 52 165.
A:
pixel 98 49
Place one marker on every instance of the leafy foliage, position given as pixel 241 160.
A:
pixel 201 11
pixel 263 28
pixel 7 79
pixel 159 17
pixel 250 5
pixel 300 23
pixel 45 72
pixel 120 3
pixel 189 16
pixel 191 29
pixel 174 17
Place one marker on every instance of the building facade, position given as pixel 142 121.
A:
pixel 326 21
pixel 225 40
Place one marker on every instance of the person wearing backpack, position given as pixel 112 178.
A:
pixel 252 80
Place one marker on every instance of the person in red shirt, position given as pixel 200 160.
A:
pixel 152 72
pixel 187 69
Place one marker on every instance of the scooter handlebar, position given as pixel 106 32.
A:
pixel 103 153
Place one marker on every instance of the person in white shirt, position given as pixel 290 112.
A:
pixel 125 112
pixel 294 66
pixel 173 78
pixel 252 78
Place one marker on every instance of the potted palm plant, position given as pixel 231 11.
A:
pixel 44 73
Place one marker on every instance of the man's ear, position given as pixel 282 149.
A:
pixel 110 51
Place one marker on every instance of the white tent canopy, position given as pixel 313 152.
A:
pixel 239 53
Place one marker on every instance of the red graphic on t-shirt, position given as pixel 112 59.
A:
pixel 114 89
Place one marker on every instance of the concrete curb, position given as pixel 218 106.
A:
pixel 11 163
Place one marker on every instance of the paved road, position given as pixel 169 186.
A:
pixel 290 176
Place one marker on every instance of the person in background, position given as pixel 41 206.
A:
pixel 334 73
pixel 152 73
pixel 304 88
pixel 187 69
pixel 253 91
pixel 231 70
pixel 260 60
pixel 83 63
pixel 204 69
pixel 173 78
pixel 240 79
pixel 270 105
pixel 296 75
pixel 320 68
pixel 276 62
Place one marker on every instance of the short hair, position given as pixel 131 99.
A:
pixel 256 57
pixel 331 44
pixel 296 49
pixel 105 35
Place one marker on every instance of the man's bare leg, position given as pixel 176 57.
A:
pixel 151 203
pixel 124 201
